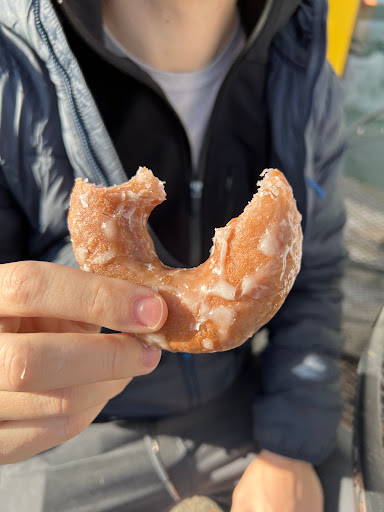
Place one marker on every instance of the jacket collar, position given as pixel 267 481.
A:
pixel 291 25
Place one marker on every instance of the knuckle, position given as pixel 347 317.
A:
pixel 14 361
pixel 99 303
pixel 72 425
pixel 114 360
pixel 21 283
pixel 116 357
pixel 63 402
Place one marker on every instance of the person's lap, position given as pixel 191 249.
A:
pixel 140 466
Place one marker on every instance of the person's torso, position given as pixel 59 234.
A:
pixel 61 135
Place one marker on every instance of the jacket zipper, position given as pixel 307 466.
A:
pixel 198 175
pixel 190 378
pixel 196 188
pixel 100 176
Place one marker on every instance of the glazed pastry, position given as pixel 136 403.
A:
pixel 218 305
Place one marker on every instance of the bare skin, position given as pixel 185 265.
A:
pixel 171 35
pixel 273 483
pixel 57 371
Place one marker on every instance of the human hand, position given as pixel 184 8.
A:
pixel 57 371
pixel 273 483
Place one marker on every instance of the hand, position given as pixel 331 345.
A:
pixel 57 371
pixel 273 483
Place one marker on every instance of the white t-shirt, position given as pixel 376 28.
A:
pixel 191 94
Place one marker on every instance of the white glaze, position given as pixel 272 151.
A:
pixel 221 238
pixel 157 339
pixel 275 189
pixel 81 254
pixel 221 316
pixel 250 286
pixel 207 344
pixel 221 288
pixel 109 229
pixel 127 214
pixel 84 199
pixel 104 257
pixel 132 195
pixel 268 244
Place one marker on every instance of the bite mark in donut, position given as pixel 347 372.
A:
pixel 221 303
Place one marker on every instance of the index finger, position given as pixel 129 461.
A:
pixel 41 289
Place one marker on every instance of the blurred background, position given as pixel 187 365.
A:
pixel 356 52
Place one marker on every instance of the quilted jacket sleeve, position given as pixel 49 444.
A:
pixel 35 175
pixel 299 408
pixel 12 226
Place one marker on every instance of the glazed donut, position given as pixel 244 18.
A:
pixel 218 305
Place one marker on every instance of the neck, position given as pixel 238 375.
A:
pixel 171 35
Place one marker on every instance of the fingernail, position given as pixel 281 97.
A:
pixel 151 356
pixel 148 311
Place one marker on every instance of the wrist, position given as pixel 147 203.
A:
pixel 281 461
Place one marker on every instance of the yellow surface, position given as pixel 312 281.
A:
pixel 341 23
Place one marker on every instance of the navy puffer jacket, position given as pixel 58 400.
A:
pixel 51 132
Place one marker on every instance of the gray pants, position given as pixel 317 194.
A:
pixel 128 466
